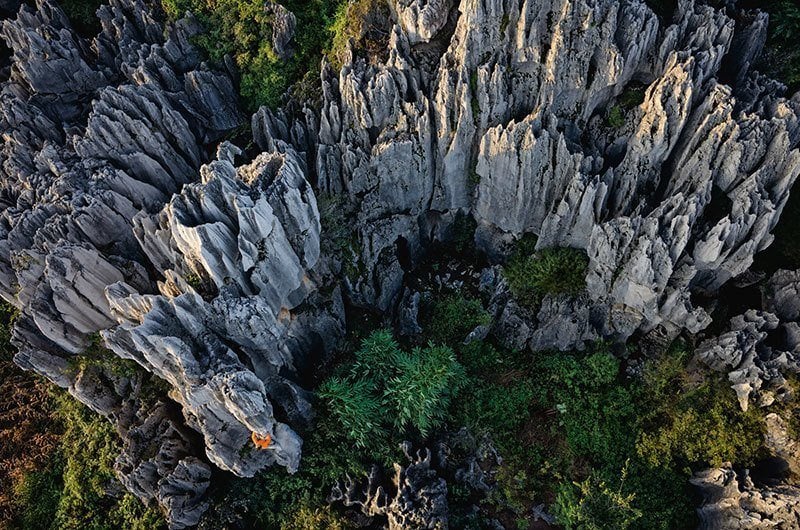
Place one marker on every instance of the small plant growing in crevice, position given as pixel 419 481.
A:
pixel 98 356
pixel 556 270
pixel 615 118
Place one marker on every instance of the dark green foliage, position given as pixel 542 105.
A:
pixel 615 117
pixel 243 30
pixel 453 316
pixel 364 22
pixel 782 54
pixel 276 499
pixel 83 15
pixel 376 359
pixel 596 411
pixel 548 271
pixel 420 393
pixel 391 388
pixel 359 412
pixel 632 96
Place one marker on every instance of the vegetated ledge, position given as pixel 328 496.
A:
pixel 214 274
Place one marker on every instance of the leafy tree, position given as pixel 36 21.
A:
pixel 242 29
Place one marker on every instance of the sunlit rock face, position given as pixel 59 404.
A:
pixel 511 124
pixel 649 143
pixel 250 235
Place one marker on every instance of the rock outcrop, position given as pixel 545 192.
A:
pixel 650 143
pixel 99 234
pixel 417 498
pixel 512 125
pixel 733 502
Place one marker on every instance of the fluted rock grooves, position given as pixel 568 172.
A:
pixel 208 269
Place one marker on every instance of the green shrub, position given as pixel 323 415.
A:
pixel 358 411
pixel 549 271
pixel 615 118
pixel 704 426
pixel 419 396
pixel 243 30
pixel 388 387
pixel 632 96
pixel 593 505
pixel 377 358
pixel 596 411
pixel 453 316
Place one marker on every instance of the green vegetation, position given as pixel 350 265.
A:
pixel 532 275
pixel 242 29
pixel 75 489
pixel 606 450
pixel 365 22
pixel 692 423
pixel 592 505
pixel 615 118
pixel 781 57
pixel 391 388
pixel 82 15
pixel 453 316
pixel 97 355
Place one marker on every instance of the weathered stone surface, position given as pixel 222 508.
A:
pixel 417 498
pixel 250 238
pixel 744 353
pixel 283 25
pixel 98 136
pixel 732 502
pixel 422 19
pixel 220 286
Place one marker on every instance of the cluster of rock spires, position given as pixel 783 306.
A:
pixel 213 275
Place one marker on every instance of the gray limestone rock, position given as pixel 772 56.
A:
pixel 732 503
pixel 417 497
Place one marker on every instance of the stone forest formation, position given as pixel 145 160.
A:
pixel 403 264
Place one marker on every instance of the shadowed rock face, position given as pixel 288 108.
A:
pixel 211 275
pixel 99 234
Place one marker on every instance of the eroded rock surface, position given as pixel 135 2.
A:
pixel 216 277
pixel 733 502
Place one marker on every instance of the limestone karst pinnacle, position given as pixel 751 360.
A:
pixel 127 211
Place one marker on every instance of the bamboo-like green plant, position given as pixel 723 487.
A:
pixel 376 359
pixel 421 392
pixel 357 410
